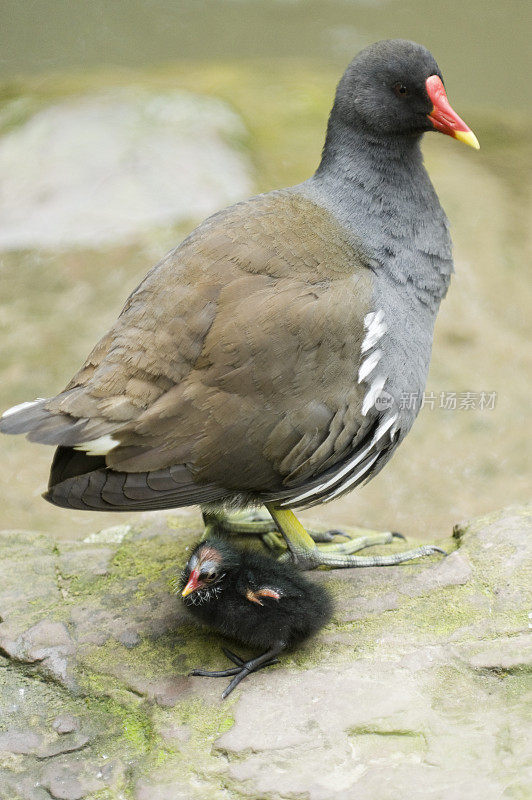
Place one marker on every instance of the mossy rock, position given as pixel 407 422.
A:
pixel 417 686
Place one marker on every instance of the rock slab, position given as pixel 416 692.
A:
pixel 105 168
pixel 417 688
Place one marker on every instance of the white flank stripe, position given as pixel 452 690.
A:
pixel 98 447
pixel 354 477
pixel 367 366
pixel 334 479
pixel 376 328
pixel 371 395
pixel 379 433
pixel 384 426
pixel 20 407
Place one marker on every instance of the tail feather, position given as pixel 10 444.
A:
pixel 57 429
pixel 24 417
pixel 82 481
pixel 46 426
pixel 68 463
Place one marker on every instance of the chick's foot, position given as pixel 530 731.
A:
pixel 243 668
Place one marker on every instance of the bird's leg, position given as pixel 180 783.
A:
pixel 301 543
pixel 238 523
pixel 305 554
pixel 249 523
pixel 257 524
pixel 241 661
pixel 243 668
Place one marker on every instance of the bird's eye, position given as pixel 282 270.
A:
pixel 207 575
pixel 400 89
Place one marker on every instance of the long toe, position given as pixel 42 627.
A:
pixel 240 661
pixel 356 543
pixel 234 683
pixel 332 553
pixel 359 534
pixel 264 660
pixel 224 673
pixel 304 553
pixel 242 668
pixel 233 657
pixel 341 556
pixel 273 542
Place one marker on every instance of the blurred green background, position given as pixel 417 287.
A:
pixel 249 84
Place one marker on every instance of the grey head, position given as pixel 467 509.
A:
pixel 383 90
pixel 372 177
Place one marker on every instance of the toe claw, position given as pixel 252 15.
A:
pixel 397 535
pixel 334 532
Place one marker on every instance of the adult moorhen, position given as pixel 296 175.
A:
pixel 264 360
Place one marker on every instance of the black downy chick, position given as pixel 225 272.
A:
pixel 248 596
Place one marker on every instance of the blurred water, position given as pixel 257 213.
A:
pixel 482 46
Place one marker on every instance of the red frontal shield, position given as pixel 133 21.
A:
pixel 444 118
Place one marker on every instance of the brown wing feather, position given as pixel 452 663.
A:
pixel 235 356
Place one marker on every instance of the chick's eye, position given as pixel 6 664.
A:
pixel 400 89
pixel 208 575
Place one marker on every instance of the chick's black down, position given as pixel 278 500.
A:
pixel 302 609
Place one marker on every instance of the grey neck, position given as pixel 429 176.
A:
pixel 354 154
pixel 379 190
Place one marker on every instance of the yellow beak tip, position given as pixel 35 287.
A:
pixel 467 137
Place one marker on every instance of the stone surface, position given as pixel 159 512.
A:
pixel 417 687
pixel 104 168
pixel 65 723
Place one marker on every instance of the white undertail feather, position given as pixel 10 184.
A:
pixel 98 447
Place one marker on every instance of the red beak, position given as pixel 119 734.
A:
pixel 444 118
pixel 193 583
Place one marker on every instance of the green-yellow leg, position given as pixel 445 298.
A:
pixel 239 523
pixel 255 523
pixel 305 553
